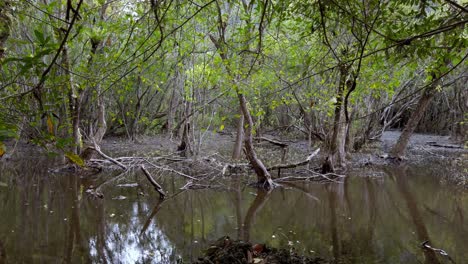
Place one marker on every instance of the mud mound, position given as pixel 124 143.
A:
pixel 227 251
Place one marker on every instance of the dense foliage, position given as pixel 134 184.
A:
pixel 339 72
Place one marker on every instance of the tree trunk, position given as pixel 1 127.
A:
pixel 399 148
pixel 101 117
pixel 96 49
pixel 74 101
pixel 170 114
pixel 236 154
pixel 5 23
pixel 337 152
pixel 264 177
pixel 185 145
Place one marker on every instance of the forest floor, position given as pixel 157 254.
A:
pixel 439 153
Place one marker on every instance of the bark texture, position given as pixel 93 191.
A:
pixel 237 152
pixel 398 150
pixel 263 175
pixel 337 154
pixel 5 24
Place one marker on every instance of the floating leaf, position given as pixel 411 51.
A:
pixel 75 159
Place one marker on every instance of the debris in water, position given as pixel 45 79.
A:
pixel 120 197
pixel 128 185
pixel 225 250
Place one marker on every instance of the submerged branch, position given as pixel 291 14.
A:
pixel 153 182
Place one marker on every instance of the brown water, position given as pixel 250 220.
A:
pixel 49 218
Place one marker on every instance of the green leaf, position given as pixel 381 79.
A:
pixel 75 159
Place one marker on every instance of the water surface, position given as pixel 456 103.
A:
pixel 49 218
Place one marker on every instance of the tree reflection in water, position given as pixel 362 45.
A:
pixel 50 218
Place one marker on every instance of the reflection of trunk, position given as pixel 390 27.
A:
pixel 255 207
pixel 74 232
pixel 101 232
pixel 399 148
pixel 237 200
pixel 236 154
pixel 372 208
pixel 263 175
pixel 333 222
pixel 3 257
pixel 152 215
pixel 400 174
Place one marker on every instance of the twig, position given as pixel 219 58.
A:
pixel 172 170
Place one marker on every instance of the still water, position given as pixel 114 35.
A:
pixel 49 218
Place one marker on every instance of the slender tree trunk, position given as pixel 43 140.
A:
pixel 101 116
pixel 399 148
pixel 185 145
pixel 171 113
pixel 236 154
pixel 5 24
pixel 74 101
pixel 263 175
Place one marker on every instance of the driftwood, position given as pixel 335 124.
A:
pixel 153 182
pixel 435 144
pixel 296 164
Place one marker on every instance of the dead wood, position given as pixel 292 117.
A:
pixel 153 182
pixel 273 141
pixel 435 144
pixel 312 176
pixel 98 149
pixel 295 164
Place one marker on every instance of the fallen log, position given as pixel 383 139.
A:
pixel 296 164
pixel 437 145
pixel 273 141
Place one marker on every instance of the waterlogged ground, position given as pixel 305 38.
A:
pixel 49 218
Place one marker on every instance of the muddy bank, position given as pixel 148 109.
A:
pixel 445 157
